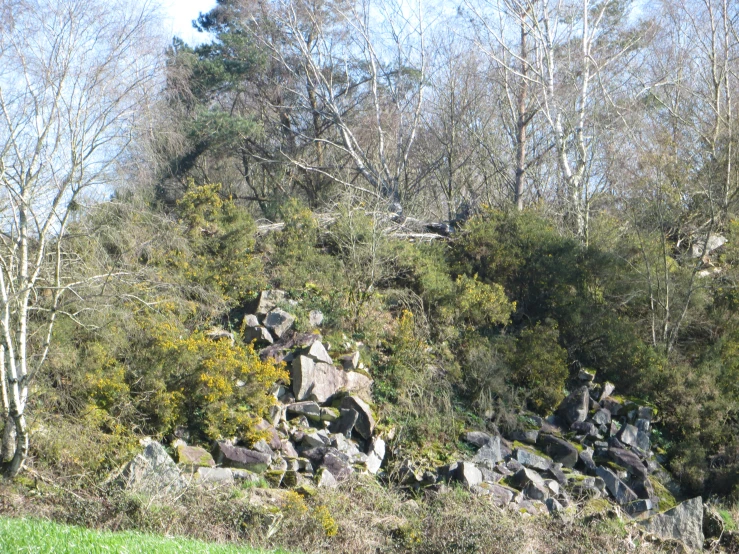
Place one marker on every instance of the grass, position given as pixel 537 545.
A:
pixel 40 536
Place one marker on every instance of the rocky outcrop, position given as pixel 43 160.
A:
pixel 683 523
pixel 153 472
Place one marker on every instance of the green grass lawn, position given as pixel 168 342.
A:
pixel 41 536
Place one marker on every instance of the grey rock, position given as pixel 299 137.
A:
pixel 365 424
pixel 267 300
pixel 315 318
pixel 645 412
pixel 215 475
pixel 288 450
pixel 575 406
pixel 528 437
pixel 468 474
pixel 345 423
pixel 530 460
pixel 318 352
pixel 558 449
pixel 585 428
pixel 639 506
pixel 643 441
pixel 329 414
pixel 251 321
pixel 602 417
pixel 194 456
pixel 513 465
pixel 553 506
pixel 477 438
pixel 246 476
pixel 586 376
pixel 489 452
pixel 629 460
pixel 500 495
pixel 611 405
pixel 228 455
pixel 524 476
pixel 350 361
pixel 307 408
pixel 338 464
pixel 586 459
pixel 153 472
pixel 282 351
pixel 320 381
pixel 618 489
pixel 557 473
pixel 275 443
pixel 607 391
pixel 627 434
pixel 324 479
pixel 375 455
pixel 643 424
pixel 279 321
pixel 536 491
pixel 684 523
pixel 702 247
pixel 259 334
pixel 262 446
pixel 315 440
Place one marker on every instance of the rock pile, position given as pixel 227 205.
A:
pixel 320 431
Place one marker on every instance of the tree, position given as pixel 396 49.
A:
pixel 72 76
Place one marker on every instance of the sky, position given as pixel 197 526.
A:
pixel 179 15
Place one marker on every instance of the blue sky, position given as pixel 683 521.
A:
pixel 179 15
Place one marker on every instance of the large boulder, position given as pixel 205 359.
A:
pixel 320 381
pixel 375 455
pixel 365 423
pixel 267 300
pixel 575 406
pixel 468 474
pixel 228 455
pixel 629 460
pixel 279 321
pixel 194 456
pixel 558 449
pixel 153 472
pixel 530 460
pixel 345 423
pixel 684 523
pixel 489 453
pixel 307 408
pixel 477 438
pixel 318 352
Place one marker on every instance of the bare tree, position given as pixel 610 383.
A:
pixel 72 73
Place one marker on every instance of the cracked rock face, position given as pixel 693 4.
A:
pixel 684 523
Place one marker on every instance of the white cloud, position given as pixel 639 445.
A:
pixel 180 14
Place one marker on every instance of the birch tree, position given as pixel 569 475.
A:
pixel 72 76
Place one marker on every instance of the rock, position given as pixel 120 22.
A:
pixel 613 406
pixel 553 506
pixel 499 495
pixel 344 445
pixel 259 334
pixel 702 247
pixel 279 321
pixel 629 460
pixel 251 320
pixel 586 459
pixel 215 475
pixel 586 376
pixel 345 423
pixel 281 351
pixel 468 474
pixel 315 440
pixel 315 318
pixel 643 442
pixel 365 423
pixel 607 391
pixel 639 506
pixel 307 408
pixel 329 414
pixel 644 412
pixel 318 352
pixel 375 455
pixel 320 381
pixel 585 428
pixel 684 523
pixel 530 460
pixel 643 424
pixel 558 449
pixel 618 489
pixel 350 361
pixel 325 480
pixel 153 472
pixel 262 446
pixel 228 455
pixel 477 438
pixel 602 417
pixel 274 441
pixel 575 406
pixel 267 301
pixel 358 383
pixel 536 491
pixel 338 464
pixel 557 473
pixel 524 476
pixel 627 434
pixel 529 437
pixel 194 456
pixel 489 453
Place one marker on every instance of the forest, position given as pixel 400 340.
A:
pixel 485 200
